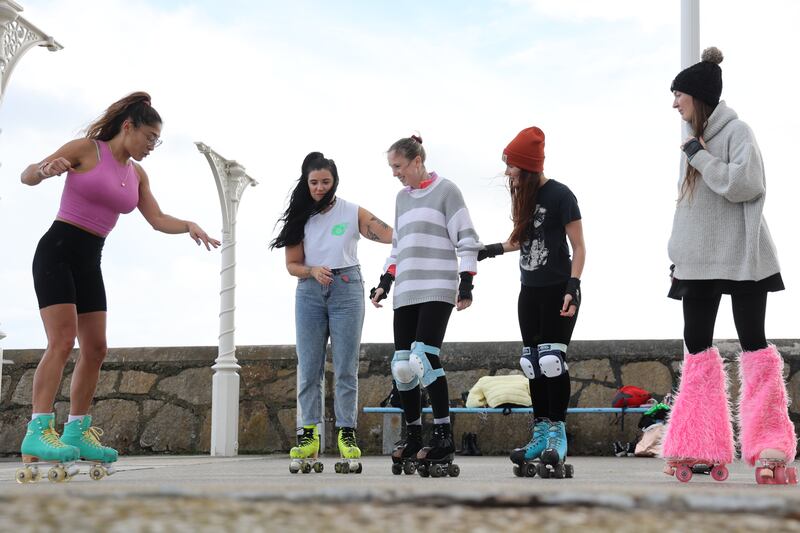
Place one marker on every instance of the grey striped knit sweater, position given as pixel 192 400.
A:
pixel 719 231
pixel 432 227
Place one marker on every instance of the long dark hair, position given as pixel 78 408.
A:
pixel 702 111
pixel 523 203
pixel 301 205
pixel 136 106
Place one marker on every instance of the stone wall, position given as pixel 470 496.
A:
pixel 158 400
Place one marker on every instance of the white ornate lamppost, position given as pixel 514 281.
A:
pixel 231 181
pixel 17 36
pixel 2 361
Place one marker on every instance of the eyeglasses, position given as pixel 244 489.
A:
pixel 153 140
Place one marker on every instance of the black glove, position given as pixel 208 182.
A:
pixel 490 250
pixel 385 284
pixel 465 287
pixel 691 148
pixel 574 289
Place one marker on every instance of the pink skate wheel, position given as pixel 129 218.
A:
pixel 791 475
pixel 683 473
pixel 719 472
pixel 780 475
pixel 762 480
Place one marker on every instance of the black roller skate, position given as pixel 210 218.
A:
pixel 404 456
pixel 552 460
pixel 436 459
pixel 526 459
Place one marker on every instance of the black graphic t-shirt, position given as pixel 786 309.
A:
pixel 544 257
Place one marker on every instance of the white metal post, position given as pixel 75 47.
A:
pixel 690 54
pixel 17 36
pixel 2 362
pixel 231 181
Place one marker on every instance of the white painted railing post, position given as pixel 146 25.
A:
pixel 231 181
pixel 2 362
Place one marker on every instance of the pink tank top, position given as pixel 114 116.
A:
pixel 94 199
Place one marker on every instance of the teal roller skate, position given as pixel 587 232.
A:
pixel 42 446
pixel 81 434
pixel 350 452
pixel 527 458
pixel 555 453
pixel 304 455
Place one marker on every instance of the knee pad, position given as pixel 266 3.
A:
pixel 402 372
pixel 530 362
pixel 551 359
pixel 420 364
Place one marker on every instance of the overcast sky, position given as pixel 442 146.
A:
pixel 266 82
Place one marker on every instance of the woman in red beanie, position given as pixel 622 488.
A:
pixel 545 214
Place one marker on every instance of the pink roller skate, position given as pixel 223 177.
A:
pixel 699 431
pixel 767 434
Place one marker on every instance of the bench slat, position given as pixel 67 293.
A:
pixel 571 410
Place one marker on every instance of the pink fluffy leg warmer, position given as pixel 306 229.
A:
pixel 699 425
pixel 763 406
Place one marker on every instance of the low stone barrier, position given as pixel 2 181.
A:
pixel 158 400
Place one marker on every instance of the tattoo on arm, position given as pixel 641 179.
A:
pixel 370 234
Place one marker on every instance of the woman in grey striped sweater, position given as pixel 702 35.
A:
pixel 433 261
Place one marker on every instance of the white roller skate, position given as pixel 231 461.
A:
pixel 304 455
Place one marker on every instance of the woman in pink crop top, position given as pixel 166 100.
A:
pixel 102 182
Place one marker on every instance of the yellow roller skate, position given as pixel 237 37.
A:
pixel 350 452
pixel 304 455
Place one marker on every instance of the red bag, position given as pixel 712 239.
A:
pixel 630 396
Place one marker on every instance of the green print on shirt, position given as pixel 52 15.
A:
pixel 339 229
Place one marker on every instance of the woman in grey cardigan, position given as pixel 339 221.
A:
pixel 720 244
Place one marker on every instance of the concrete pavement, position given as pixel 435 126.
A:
pixel 610 489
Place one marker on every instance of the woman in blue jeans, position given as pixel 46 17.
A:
pixel 320 235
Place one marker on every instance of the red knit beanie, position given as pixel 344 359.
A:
pixel 526 151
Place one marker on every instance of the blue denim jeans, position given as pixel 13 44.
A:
pixel 335 312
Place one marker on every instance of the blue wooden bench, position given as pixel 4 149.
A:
pixel 392 416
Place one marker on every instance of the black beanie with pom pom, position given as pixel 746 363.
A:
pixel 702 80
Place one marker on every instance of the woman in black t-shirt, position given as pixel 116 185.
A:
pixel 545 215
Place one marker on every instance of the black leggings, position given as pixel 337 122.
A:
pixel 66 269
pixel 700 314
pixel 427 323
pixel 540 322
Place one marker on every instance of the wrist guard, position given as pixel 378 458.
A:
pixel 691 148
pixel 574 290
pixel 465 286
pixel 490 250
pixel 385 284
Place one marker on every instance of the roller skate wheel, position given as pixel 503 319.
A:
pixel 96 473
pixel 409 468
pixel 780 475
pixel 542 470
pixel 569 471
pixel 337 467
pixel 530 470
pixel 517 471
pixel 306 468
pixel 24 475
pixel 438 471
pixel 397 469
pixel 683 473
pixel 294 467
pixel 791 475
pixel 453 470
pixel 359 468
pixel 318 467
pixel 719 472
pixel 558 471
pixel 57 474
pixel 423 471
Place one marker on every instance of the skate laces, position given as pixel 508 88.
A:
pixel 92 436
pixel 348 437
pixel 439 436
pixel 306 438
pixel 50 437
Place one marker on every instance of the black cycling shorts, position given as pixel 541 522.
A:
pixel 66 269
